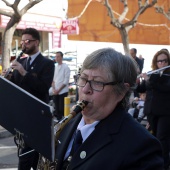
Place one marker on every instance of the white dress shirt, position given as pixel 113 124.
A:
pixel 33 57
pixel 86 130
pixel 61 76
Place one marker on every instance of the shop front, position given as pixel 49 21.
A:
pixel 49 27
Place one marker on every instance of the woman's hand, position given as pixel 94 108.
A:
pixel 144 76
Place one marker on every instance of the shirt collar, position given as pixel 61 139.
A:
pixel 86 129
pixel 34 56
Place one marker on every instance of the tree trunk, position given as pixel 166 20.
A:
pixel 6 45
pixel 125 40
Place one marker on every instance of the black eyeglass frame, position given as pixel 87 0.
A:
pixel 27 41
pixel 161 61
pixel 76 78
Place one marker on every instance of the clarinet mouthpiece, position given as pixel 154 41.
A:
pixel 80 106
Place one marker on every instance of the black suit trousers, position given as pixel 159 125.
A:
pixel 59 105
pixel 161 129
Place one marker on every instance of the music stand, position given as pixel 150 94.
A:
pixel 25 115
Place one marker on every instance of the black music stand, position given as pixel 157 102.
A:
pixel 26 116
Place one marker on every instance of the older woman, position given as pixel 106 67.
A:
pixel 157 104
pixel 111 139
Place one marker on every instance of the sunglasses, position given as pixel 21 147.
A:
pixel 26 41
pixel 162 61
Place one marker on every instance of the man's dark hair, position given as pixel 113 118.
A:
pixel 135 50
pixel 59 52
pixel 32 31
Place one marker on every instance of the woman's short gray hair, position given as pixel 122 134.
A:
pixel 120 68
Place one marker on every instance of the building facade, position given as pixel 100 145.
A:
pixel 44 17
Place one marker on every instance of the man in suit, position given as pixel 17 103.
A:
pixel 105 135
pixel 140 62
pixel 34 74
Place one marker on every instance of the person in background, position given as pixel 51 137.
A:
pixel 60 85
pixel 34 74
pixel 138 105
pixel 139 62
pixel 140 57
pixel 102 136
pixel 133 53
pixel 157 103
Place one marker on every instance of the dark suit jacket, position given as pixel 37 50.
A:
pixel 117 143
pixel 39 78
pixel 140 63
pixel 161 94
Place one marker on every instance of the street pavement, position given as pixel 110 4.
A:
pixel 9 169
pixel 4 133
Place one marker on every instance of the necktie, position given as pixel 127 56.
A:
pixel 28 63
pixel 77 141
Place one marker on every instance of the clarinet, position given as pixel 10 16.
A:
pixel 45 164
pixel 60 125
pixel 10 70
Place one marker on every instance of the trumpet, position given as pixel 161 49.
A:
pixel 157 71
pixel 45 164
pixel 9 70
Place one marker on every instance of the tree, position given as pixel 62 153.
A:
pixel 15 16
pixel 120 24
pixel 160 9
pixel 120 21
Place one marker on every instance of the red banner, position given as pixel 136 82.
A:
pixel 70 26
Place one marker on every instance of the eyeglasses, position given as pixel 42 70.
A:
pixel 26 41
pixel 95 85
pixel 162 61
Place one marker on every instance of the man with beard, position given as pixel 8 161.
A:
pixel 34 74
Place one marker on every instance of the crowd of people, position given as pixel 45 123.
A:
pixel 156 85
pixel 104 134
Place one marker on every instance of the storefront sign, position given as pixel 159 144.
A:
pixel 39 22
pixel 70 26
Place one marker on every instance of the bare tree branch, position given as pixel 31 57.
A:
pixel 15 17
pixel 141 9
pixel 125 11
pixel 140 3
pixel 15 8
pixel 125 27
pixel 9 14
pixel 114 21
pixel 7 3
pixel 161 10
pixel 29 5
pixel 15 5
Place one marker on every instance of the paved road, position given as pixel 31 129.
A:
pixel 9 169
pixel 8 153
